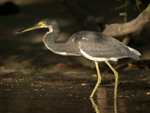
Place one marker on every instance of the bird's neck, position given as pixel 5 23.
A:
pixel 62 48
pixel 54 32
pixel 51 36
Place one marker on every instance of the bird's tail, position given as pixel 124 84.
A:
pixel 135 52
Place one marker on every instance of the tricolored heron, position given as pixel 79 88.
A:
pixel 92 45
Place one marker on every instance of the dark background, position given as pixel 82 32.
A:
pixel 27 50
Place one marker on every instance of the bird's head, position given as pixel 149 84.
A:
pixel 46 23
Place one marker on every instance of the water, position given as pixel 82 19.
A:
pixel 23 95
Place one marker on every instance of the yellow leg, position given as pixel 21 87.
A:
pixel 116 78
pixel 98 79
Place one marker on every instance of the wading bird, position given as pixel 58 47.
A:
pixel 92 45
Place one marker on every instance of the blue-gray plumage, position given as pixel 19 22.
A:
pixel 92 45
pixel 99 45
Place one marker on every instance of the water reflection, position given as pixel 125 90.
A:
pixel 66 96
pixel 95 106
pixel 70 96
pixel 97 109
pixel 105 100
pixel 115 105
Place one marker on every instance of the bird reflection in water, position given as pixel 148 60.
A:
pixel 97 109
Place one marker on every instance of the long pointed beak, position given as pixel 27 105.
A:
pixel 28 29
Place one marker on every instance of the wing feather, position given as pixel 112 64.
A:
pixel 103 46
